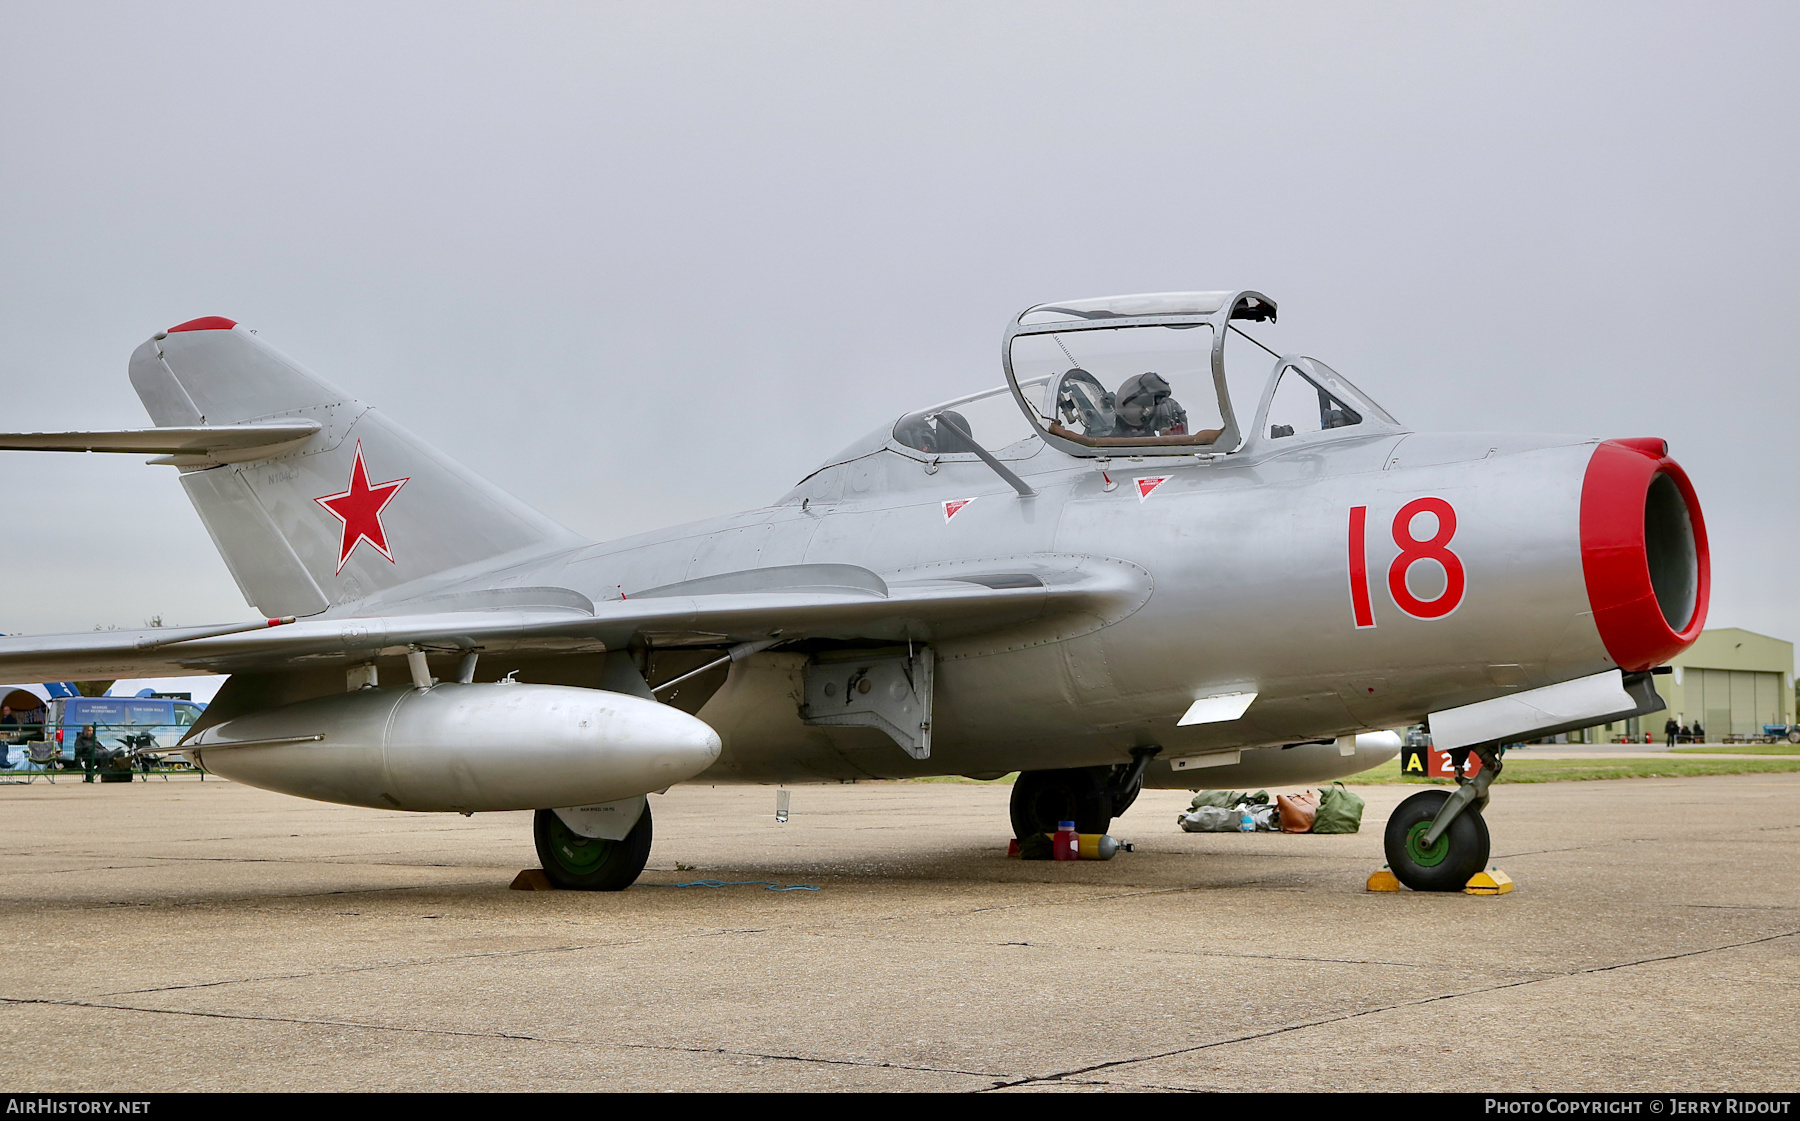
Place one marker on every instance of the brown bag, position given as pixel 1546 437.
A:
pixel 1297 811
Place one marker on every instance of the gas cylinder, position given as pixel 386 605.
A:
pixel 1098 846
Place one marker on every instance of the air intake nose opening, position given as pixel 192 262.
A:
pixel 1643 553
pixel 1669 549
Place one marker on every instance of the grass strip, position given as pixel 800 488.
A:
pixel 1583 770
pixel 1539 770
pixel 1741 749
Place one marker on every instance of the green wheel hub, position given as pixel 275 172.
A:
pixel 1421 854
pixel 1461 852
pixel 580 863
pixel 580 855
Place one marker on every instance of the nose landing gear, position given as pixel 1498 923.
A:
pixel 1437 840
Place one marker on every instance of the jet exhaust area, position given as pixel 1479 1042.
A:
pixel 212 936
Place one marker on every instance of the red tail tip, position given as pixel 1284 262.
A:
pixel 205 323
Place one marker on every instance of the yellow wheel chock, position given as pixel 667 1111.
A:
pixel 1491 882
pixel 1382 880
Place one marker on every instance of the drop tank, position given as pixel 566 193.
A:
pixel 463 748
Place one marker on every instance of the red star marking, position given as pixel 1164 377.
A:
pixel 359 508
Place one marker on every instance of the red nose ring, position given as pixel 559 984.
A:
pixel 1643 552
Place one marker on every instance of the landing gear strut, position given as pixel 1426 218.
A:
pixel 1435 840
pixel 1089 796
pixel 578 863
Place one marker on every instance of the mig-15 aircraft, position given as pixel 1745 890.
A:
pixel 1106 574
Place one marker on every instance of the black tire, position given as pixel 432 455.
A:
pixel 1043 799
pixel 1460 853
pixel 579 863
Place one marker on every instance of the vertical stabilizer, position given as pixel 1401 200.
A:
pixel 362 507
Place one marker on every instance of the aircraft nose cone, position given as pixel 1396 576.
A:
pixel 1643 552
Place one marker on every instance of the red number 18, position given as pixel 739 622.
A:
pixel 1412 550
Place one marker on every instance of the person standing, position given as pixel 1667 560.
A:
pixel 11 735
pixel 1670 731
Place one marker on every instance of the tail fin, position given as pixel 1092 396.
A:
pixel 361 508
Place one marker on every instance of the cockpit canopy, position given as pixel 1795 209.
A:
pixel 1145 375
pixel 1139 375
pixel 1116 387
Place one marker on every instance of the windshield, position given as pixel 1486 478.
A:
pixel 1309 397
pixel 990 417
pixel 1145 386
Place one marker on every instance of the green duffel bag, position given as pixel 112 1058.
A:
pixel 1339 811
pixel 1225 799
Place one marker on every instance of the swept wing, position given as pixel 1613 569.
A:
pixel 1063 595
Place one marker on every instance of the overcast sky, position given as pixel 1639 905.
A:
pixel 648 263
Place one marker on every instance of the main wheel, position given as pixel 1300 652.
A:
pixel 1445 866
pixel 1043 799
pixel 590 863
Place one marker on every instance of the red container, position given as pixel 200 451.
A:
pixel 1066 843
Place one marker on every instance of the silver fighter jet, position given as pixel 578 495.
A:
pixel 1105 574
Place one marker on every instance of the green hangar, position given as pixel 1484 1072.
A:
pixel 1733 681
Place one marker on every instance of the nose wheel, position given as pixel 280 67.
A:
pixel 1444 864
pixel 1437 839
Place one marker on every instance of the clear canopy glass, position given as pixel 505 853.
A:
pixel 1123 387
pixel 1309 397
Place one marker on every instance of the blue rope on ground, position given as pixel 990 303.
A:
pixel 766 885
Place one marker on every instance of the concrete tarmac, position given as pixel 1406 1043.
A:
pixel 208 936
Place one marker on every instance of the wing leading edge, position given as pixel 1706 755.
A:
pixel 1055 595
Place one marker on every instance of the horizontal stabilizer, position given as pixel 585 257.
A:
pixel 199 445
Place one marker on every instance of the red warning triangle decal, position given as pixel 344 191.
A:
pixel 951 506
pixel 1148 483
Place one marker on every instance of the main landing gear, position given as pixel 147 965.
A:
pixel 1089 796
pixel 578 863
pixel 1436 840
